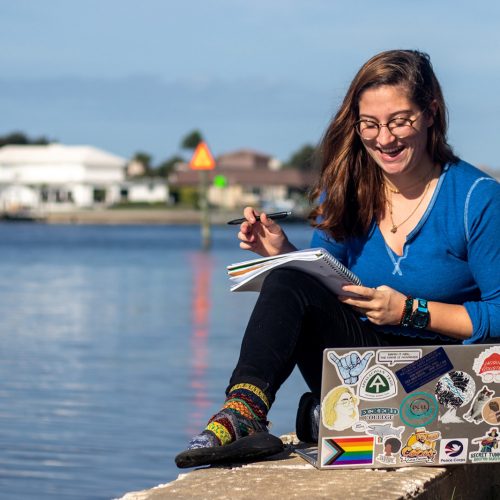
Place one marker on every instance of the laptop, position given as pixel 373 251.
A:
pixel 399 407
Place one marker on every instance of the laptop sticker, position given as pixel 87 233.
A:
pixel 377 383
pixel 347 451
pixel 382 413
pixel 350 366
pixel 453 451
pixel 487 365
pixel 339 408
pixel 427 368
pixel 380 431
pixel 454 390
pixel 418 409
pixel 480 399
pixel 392 357
pixel 491 411
pixel 489 447
pixel 416 406
pixel 421 446
pixel 392 446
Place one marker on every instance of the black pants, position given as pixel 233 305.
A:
pixel 294 320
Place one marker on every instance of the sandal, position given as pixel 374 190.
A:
pixel 246 449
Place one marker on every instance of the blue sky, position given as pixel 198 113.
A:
pixel 263 74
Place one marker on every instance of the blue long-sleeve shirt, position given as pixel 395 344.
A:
pixel 452 255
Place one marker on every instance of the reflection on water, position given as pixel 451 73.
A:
pixel 116 344
pixel 201 266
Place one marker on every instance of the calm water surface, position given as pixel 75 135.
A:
pixel 116 344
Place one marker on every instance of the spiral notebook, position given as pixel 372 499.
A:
pixel 249 275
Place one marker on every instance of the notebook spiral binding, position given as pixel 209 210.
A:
pixel 340 269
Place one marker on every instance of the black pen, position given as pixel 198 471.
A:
pixel 275 216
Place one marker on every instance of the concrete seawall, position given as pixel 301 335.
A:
pixel 134 216
pixel 289 476
pixel 143 216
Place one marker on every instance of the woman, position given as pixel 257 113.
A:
pixel 340 410
pixel 490 442
pixel 391 445
pixel 418 226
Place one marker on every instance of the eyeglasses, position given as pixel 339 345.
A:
pixel 398 127
pixel 346 401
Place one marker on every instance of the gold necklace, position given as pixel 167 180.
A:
pixel 395 227
pixel 393 189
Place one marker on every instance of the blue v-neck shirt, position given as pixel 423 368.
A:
pixel 452 255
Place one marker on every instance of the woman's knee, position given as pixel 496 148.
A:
pixel 289 277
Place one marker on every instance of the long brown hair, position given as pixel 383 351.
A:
pixel 350 186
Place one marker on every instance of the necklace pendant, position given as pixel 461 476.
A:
pixel 394 229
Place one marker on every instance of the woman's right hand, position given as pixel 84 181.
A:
pixel 264 237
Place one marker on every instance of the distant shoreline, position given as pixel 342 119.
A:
pixel 141 216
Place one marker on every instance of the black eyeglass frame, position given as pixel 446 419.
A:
pixel 410 122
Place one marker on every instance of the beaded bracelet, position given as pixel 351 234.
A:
pixel 407 312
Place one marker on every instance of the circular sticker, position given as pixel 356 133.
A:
pixel 418 409
pixel 487 365
pixel 455 389
pixel 491 411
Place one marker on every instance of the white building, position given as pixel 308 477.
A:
pixel 56 177
pixel 144 190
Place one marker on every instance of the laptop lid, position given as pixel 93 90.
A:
pixel 404 406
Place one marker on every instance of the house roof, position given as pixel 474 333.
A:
pixel 58 153
pixel 244 152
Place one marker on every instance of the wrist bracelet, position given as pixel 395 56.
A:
pixel 407 312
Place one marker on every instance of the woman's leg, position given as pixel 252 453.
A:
pixel 294 320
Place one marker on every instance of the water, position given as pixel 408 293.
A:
pixel 116 343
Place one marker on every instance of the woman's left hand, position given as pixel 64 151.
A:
pixel 382 305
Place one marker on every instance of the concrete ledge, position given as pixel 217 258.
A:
pixel 289 476
pixel 144 216
pixel 127 216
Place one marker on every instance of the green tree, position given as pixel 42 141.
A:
pixel 191 140
pixel 20 138
pixel 303 159
pixel 145 160
pixel 41 141
pixel 167 166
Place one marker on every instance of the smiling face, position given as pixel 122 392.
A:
pixel 394 155
pixel 345 404
pixel 421 436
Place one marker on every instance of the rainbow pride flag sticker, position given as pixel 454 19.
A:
pixel 347 451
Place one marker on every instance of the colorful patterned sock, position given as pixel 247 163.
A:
pixel 244 412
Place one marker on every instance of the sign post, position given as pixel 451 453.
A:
pixel 203 161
